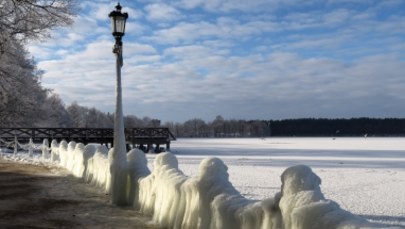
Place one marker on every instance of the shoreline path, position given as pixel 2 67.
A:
pixel 42 196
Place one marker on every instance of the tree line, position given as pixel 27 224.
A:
pixel 304 127
pixel 219 127
pixel 339 127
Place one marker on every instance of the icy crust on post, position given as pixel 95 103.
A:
pixel 209 200
pixel 303 205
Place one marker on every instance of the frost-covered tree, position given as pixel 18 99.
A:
pixel 54 113
pixel 23 100
pixel 24 20
pixel 77 114
pixel 131 121
pixel 84 117
pixel 98 119
pixel 21 92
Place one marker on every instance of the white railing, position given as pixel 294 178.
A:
pixel 209 200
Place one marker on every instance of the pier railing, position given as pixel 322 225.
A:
pixel 138 137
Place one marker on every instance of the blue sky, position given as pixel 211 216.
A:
pixel 261 59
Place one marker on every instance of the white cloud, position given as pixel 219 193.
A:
pixel 43 52
pixel 162 12
pixel 97 10
pixel 242 5
pixel 136 48
pixel 201 76
pixel 360 2
pixel 185 32
pixel 190 4
pixel 224 28
pixel 338 16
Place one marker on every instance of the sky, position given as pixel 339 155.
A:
pixel 256 59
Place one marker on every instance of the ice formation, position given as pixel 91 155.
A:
pixel 98 168
pixel 137 169
pixel 54 151
pixel 119 177
pixel 78 164
pixel 30 148
pixel 88 153
pixel 209 200
pixel 45 149
pixel 303 205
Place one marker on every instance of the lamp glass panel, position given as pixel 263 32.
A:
pixel 120 23
pixel 113 27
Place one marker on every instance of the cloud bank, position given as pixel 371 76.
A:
pixel 264 60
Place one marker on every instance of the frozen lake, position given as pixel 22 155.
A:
pixel 366 176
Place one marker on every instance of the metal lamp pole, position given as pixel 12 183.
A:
pixel 118 164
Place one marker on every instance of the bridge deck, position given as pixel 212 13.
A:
pixel 138 137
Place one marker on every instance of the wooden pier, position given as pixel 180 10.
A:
pixel 143 138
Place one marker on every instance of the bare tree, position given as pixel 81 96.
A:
pixel 195 128
pixel 218 125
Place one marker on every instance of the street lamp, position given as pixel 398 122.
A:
pixel 118 164
pixel 118 21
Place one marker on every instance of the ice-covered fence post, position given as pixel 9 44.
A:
pixel 30 147
pixel 137 169
pixel 15 144
pixel 303 205
pixel 118 162
pixel 45 148
pixel 54 150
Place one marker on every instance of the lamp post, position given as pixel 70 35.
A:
pixel 118 162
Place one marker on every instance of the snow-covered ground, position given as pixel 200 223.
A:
pixel 366 176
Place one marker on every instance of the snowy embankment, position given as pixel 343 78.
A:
pixel 208 199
